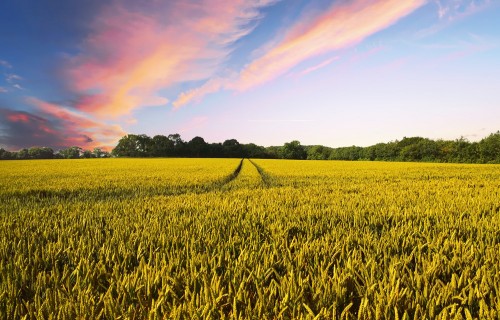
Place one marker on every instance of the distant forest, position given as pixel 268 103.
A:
pixel 416 149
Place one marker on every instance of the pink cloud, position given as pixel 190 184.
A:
pixel 74 128
pixel 132 53
pixel 318 66
pixel 18 117
pixel 339 27
pixel 196 94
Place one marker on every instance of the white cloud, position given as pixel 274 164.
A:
pixel 456 9
pixel 12 78
pixel 5 64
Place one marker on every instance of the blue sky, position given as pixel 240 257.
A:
pixel 336 73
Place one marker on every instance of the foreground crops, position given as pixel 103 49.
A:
pixel 187 238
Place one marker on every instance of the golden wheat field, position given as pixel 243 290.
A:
pixel 251 239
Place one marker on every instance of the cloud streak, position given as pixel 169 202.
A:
pixel 51 125
pixel 318 66
pixel 134 52
pixel 5 64
pixel 77 125
pixel 197 94
pixel 457 9
pixel 343 25
pixel 339 27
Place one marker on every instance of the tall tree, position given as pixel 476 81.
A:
pixel 133 146
pixel 489 148
pixel 162 146
pixel 232 149
pixel 71 152
pixel 293 150
pixel 197 147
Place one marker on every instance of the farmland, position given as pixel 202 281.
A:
pixel 251 239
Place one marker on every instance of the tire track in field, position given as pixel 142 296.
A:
pixel 233 175
pixel 104 194
pixel 266 179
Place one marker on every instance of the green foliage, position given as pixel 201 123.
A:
pixel 71 153
pixel 489 148
pixel 133 145
pixel 318 153
pixel 293 150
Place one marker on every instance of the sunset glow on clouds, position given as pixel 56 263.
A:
pixel 159 66
pixel 341 26
pixel 57 126
pixel 128 63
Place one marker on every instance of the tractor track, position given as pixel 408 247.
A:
pixel 105 195
pixel 266 179
pixel 233 175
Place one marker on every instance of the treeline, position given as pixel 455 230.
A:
pixel 408 149
pixel 143 146
pixel 417 149
pixel 49 153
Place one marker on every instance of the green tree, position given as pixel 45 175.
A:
pixel 71 152
pixel 162 146
pixel 318 153
pixel 419 150
pixel 87 154
pixel 179 144
pixel 197 147
pixel 7 155
pixel 293 150
pixel 133 145
pixel 489 148
pixel 251 150
pixel 23 154
pixel 40 153
pixel 98 153
pixel 232 149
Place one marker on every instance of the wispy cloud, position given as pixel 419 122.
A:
pixel 133 52
pixel 79 128
pixel 20 128
pixel 12 78
pixel 456 9
pixel 52 125
pixel 451 11
pixel 318 66
pixel 339 27
pixel 5 64
pixel 342 25
pixel 197 94
pixel 3 90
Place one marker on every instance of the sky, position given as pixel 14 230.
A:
pixel 329 72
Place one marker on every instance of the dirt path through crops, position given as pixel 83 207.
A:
pixel 248 177
pixel 266 179
pixel 233 175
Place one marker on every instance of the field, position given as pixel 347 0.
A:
pixel 251 239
